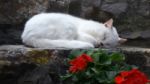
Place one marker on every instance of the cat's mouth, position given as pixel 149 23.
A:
pixel 100 45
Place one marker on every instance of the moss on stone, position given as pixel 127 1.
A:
pixel 39 56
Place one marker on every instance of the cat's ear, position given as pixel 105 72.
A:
pixel 109 23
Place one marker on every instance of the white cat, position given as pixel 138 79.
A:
pixel 57 30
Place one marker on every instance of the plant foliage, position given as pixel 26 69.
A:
pixel 101 68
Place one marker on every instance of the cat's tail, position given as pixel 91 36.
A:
pixel 58 44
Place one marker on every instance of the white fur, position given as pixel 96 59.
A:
pixel 56 30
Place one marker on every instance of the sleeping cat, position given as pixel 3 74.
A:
pixel 57 30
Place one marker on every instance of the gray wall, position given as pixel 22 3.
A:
pixel 132 16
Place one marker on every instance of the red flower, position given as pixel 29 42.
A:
pixel 119 79
pixel 87 58
pixel 131 77
pixel 124 73
pixel 73 69
pixel 79 63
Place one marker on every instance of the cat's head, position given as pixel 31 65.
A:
pixel 111 37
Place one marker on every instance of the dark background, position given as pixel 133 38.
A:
pixel 132 16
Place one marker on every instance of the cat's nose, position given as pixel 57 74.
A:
pixel 99 45
pixel 122 40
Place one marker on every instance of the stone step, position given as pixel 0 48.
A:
pixel 20 51
pixel 36 62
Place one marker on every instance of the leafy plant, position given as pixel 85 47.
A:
pixel 100 67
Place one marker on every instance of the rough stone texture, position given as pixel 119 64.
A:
pixel 16 11
pixel 138 56
pixel 24 65
pixel 13 14
pixel 135 20
pixel 10 34
pixel 58 6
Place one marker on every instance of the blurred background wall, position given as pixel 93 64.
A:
pixel 132 16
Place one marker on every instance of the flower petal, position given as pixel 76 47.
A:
pixel 119 79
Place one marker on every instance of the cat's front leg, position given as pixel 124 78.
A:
pixel 55 44
pixel 87 38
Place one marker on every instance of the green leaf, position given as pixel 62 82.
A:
pixel 75 53
pixel 95 70
pixel 96 57
pixel 74 78
pixel 127 67
pixel 111 75
pixel 90 52
pixel 117 57
pixel 101 78
pixel 115 67
pixel 66 76
pixel 104 59
pixel 87 73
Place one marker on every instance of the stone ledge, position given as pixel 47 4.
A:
pixel 135 49
pixel 138 54
pixel 20 53
pixel 29 65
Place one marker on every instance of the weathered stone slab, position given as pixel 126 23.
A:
pixel 24 65
pixel 139 57
pixel 16 11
